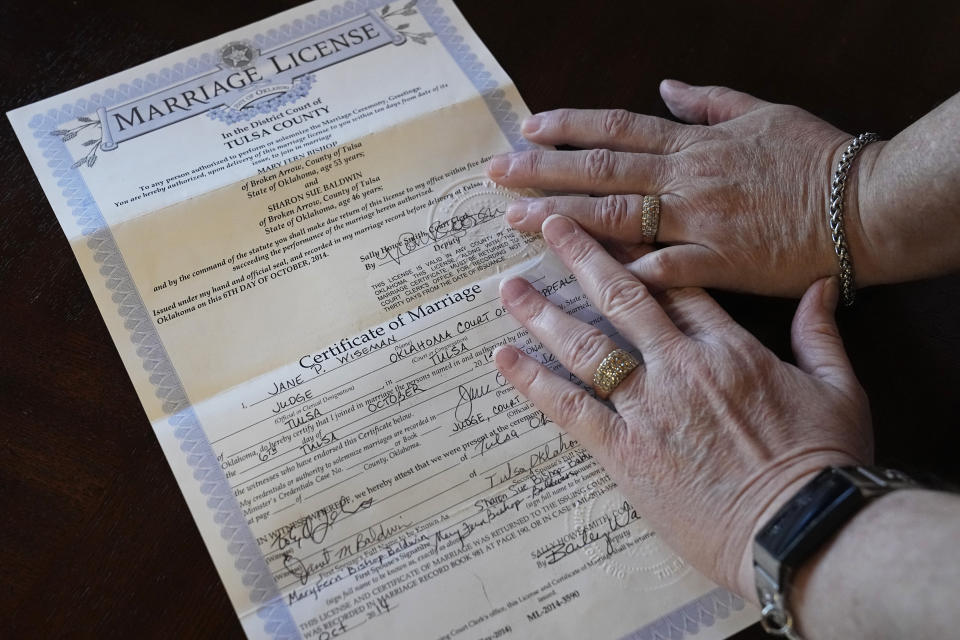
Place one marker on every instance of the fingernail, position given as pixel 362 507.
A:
pixel 499 166
pixel 516 212
pixel 531 125
pixel 556 228
pixel 830 293
pixel 506 356
pixel 674 85
pixel 511 289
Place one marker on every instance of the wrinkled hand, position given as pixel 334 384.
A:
pixel 743 191
pixel 712 432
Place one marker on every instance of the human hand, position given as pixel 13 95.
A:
pixel 712 432
pixel 743 190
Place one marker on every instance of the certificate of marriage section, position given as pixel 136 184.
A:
pixel 288 232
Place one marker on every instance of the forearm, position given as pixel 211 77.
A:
pixel 892 572
pixel 908 202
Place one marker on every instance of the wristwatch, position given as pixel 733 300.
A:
pixel 803 524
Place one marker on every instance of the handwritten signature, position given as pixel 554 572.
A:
pixel 303 571
pixel 489 510
pixel 314 527
pixel 587 536
pixel 464 408
pixel 455 227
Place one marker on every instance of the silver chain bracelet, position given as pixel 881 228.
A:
pixel 837 188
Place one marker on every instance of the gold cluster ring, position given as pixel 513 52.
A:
pixel 650 218
pixel 612 370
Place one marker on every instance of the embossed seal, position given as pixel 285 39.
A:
pixel 614 537
pixel 470 208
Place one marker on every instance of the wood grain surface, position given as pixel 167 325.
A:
pixel 95 538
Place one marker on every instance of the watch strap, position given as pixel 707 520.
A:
pixel 802 525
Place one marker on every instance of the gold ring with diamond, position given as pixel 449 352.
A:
pixel 650 218
pixel 612 370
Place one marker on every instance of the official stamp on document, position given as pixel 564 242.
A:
pixel 624 546
pixel 465 206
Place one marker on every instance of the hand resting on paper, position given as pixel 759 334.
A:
pixel 712 433
pixel 712 428
pixel 744 191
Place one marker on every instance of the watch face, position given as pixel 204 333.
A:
pixel 809 518
pixel 801 527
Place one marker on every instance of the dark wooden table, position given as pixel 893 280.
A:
pixel 95 538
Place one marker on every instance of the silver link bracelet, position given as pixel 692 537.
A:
pixel 837 188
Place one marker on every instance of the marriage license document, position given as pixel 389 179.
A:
pixel 290 237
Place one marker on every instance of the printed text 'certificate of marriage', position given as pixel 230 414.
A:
pixel 289 234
